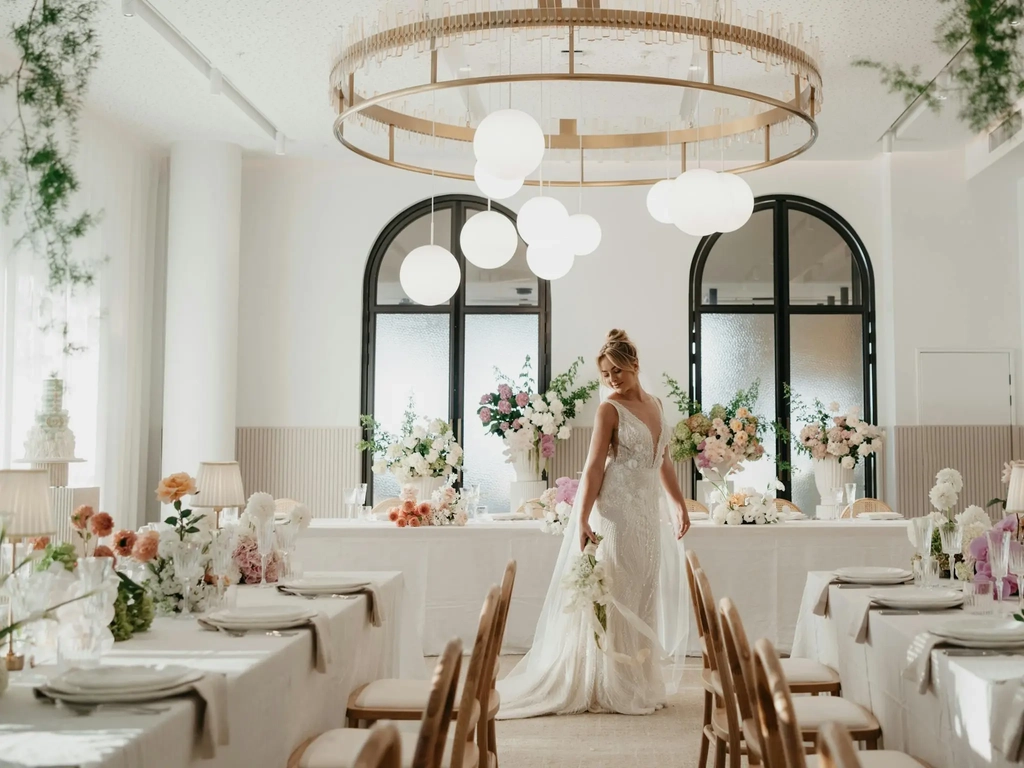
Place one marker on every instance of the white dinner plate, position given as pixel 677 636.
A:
pixel 267 626
pixel 985 645
pixel 995 630
pixel 880 516
pixel 873 575
pixel 122 680
pixel 918 598
pixel 699 515
pixel 506 516
pixel 118 697
pixel 324 585
pixel 261 614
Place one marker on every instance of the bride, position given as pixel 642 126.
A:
pixel 628 487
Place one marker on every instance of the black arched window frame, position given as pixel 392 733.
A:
pixel 863 304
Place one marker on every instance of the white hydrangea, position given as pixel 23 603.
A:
pixel 943 496
pixel 950 477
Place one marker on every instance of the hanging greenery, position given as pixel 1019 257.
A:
pixel 58 49
pixel 989 71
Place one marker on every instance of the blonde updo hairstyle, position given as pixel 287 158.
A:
pixel 620 351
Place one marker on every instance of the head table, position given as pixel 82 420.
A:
pixel 275 696
pixel 957 723
pixel 449 569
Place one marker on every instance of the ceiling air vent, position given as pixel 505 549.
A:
pixel 1005 131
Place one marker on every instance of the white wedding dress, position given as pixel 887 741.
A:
pixel 640 664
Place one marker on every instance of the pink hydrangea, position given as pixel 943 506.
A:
pixel 485 415
pixel 547 446
pixel 250 564
pixel 565 490
pixel 979 551
pixel 505 392
pixel 504 406
pixel 522 399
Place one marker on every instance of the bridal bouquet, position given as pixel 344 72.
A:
pixel 745 507
pixel 588 584
pixel 419 450
pixel 532 422
pixel 724 436
pixel 827 433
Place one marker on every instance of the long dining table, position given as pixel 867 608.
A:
pixel 958 722
pixel 275 697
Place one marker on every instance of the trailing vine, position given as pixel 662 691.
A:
pixel 59 50
pixel 990 69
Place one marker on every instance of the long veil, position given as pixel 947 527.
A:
pixel 552 640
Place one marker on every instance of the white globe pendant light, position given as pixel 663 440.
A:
pixel 659 200
pixel 492 186
pixel 430 275
pixel 582 234
pixel 549 260
pixel 542 220
pixel 741 198
pixel 509 144
pixel 488 240
pixel 699 201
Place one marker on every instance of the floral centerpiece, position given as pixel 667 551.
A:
pixel 421 451
pixel 531 423
pixel 979 554
pixel 588 583
pixel 446 507
pixel 555 505
pixel 745 506
pixel 720 439
pixel 944 496
pixel 246 557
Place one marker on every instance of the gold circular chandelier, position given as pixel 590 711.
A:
pixel 387 101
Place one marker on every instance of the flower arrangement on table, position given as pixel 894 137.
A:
pixel 420 449
pixel 555 505
pixel 721 438
pixel 745 506
pixel 446 507
pixel 588 584
pixel 531 423
pixel 245 556
pixel 829 434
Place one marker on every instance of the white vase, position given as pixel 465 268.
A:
pixel 527 467
pixel 1015 491
pixel 716 473
pixel 830 476
pixel 424 487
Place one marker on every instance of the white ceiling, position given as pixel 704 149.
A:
pixel 278 53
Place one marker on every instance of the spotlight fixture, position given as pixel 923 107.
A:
pixel 128 8
pixel 280 142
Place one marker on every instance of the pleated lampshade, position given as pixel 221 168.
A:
pixel 219 485
pixel 25 502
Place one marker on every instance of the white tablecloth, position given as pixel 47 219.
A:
pixel 276 698
pixel 449 569
pixel 948 727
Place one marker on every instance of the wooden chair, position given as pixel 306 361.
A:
pixel 692 505
pixel 390 699
pixel 785 505
pixel 341 747
pixel 783 730
pixel 865 505
pixel 706 675
pixel 383 749
pixel 835 748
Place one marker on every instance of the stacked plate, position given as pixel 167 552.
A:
pixel 260 618
pixel 873 575
pixel 790 514
pixel 982 633
pixel 507 516
pixel 127 684
pixel 918 599
pixel 322 585
pixel 699 516
pixel 879 516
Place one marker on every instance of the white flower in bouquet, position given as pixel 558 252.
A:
pixel 848 462
pixel 974 515
pixel 261 507
pixel 588 585
pixel 943 496
pixel 556 520
pixel 950 477
pixel 734 517
pixel 300 517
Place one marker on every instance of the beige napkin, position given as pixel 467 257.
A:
pixel 1011 740
pixel 211 712
pixel 861 622
pixel 821 604
pixel 373 601
pixel 919 660
pixel 321 638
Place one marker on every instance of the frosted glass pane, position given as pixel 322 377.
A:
pixel 740 268
pixel 503 341
pixel 411 359
pixel 415 234
pixel 736 350
pixel 827 362
pixel 821 266
pixel 510 285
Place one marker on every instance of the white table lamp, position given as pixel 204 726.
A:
pixel 219 485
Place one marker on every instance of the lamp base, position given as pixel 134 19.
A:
pixel 14 662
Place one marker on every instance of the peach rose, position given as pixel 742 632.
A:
pixel 104 551
pixel 175 487
pixel 408 506
pixel 735 425
pixel 40 543
pixel 400 522
pixel 423 509
pixel 394 513
pixel 101 524
pixel 80 517
pixel 414 522
pixel 124 542
pixel 146 546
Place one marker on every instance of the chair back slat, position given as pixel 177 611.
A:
pixel 382 750
pixel 438 713
pixel 835 747
pixel 692 564
pixel 692 505
pixel 717 660
pixel 782 505
pixel 490 675
pixel 780 733
pixel 737 652
pixel 474 696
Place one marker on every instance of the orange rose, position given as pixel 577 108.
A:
pixel 423 509
pixel 146 546
pixel 40 543
pixel 104 551
pixel 408 507
pixel 80 517
pixel 394 513
pixel 400 522
pixel 414 522
pixel 102 524
pixel 175 487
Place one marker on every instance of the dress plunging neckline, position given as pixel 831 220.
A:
pixel 655 443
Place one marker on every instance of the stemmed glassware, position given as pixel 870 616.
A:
pixel 265 540
pixel 951 536
pixel 187 559
pixel 922 528
pixel 286 535
pixel 222 551
pixel 999 558
pixel 1017 569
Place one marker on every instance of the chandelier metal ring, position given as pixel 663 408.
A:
pixel 395 120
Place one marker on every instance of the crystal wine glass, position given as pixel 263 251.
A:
pixel 286 535
pixel 951 536
pixel 222 552
pixel 187 558
pixel 998 558
pixel 1017 569
pixel 922 528
pixel 265 541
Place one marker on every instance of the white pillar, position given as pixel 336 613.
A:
pixel 201 341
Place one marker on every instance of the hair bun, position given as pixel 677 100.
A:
pixel 617 335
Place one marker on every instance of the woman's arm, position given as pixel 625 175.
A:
pixel 671 484
pixel 605 423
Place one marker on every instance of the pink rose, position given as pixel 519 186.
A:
pixel 505 392
pixel 485 399
pixel 517 424
pixel 547 446
pixel 522 399
pixel 504 426
pixel 485 415
pixel 504 406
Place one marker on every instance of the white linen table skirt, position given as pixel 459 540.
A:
pixel 275 697
pixel 950 726
pixel 449 569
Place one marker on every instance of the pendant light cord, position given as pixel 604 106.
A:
pixel 433 148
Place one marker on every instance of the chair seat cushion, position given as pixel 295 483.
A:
pixel 880 758
pixel 808 672
pixel 812 711
pixel 340 747
pixel 409 695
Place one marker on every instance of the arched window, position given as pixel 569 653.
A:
pixel 443 357
pixel 788 298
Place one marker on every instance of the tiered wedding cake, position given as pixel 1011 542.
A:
pixel 50 440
